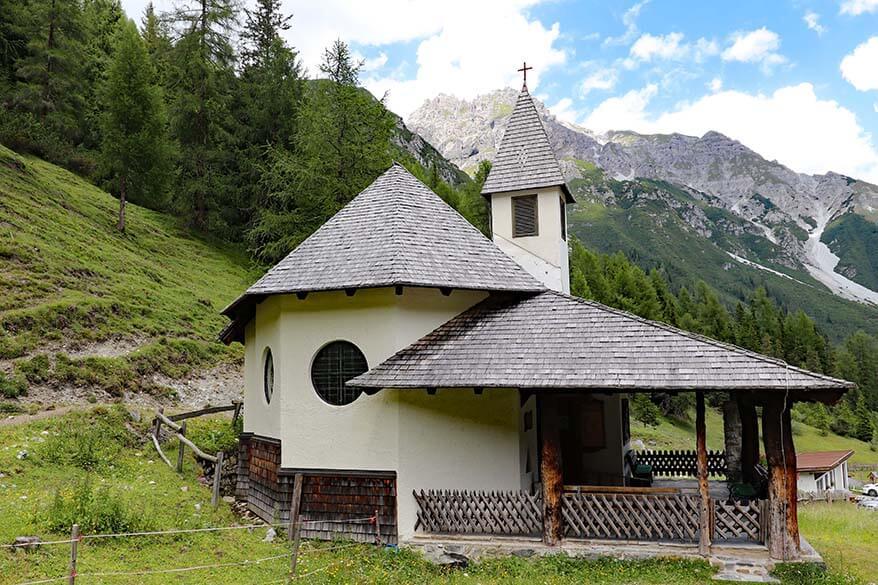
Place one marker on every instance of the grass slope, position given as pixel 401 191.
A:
pixel 673 433
pixel 42 493
pixel 67 277
pixel 855 239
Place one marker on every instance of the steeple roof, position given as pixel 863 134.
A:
pixel 396 232
pixel 525 159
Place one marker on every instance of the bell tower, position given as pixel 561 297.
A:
pixel 529 197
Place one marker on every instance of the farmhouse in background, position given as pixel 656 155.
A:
pixel 821 471
pixel 400 361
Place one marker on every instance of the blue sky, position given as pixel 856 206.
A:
pixel 796 80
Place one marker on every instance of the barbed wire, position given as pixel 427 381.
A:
pixel 368 519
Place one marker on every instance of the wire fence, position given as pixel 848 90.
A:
pixel 296 550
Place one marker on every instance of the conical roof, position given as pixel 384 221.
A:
pixel 395 232
pixel 525 159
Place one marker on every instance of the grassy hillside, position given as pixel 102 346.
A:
pixel 68 279
pixel 658 225
pixel 855 239
pixel 673 433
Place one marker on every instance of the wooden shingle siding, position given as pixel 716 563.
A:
pixel 525 217
pixel 337 500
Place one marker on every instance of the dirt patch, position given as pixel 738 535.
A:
pixel 219 385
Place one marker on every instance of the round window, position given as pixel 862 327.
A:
pixel 335 364
pixel 268 375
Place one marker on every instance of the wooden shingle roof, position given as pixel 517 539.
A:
pixel 396 232
pixel 555 341
pixel 525 159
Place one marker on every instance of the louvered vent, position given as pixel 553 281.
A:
pixel 524 216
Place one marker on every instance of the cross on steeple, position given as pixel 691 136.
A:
pixel 524 69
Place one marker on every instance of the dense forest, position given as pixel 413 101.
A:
pixel 206 112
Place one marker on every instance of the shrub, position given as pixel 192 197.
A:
pixel 644 410
pixel 12 386
pixel 214 434
pixel 89 440
pixel 37 370
pixel 100 510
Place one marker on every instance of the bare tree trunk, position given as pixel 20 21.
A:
pixel 551 472
pixel 732 433
pixel 122 186
pixel 783 523
pixel 704 528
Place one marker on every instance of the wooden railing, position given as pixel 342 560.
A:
pixel 179 431
pixel 478 512
pixel 682 463
pixel 646 514
pixel 631 516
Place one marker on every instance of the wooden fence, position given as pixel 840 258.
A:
pixel 180 433
pixel 737 520
pixel 682 463
pixel 631 516
pixel 479 512
pixel 591 514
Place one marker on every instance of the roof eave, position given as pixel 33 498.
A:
pixel 568 196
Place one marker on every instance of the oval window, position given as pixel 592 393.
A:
pixel 335 364
pixel 268 375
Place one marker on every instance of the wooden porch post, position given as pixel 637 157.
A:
pixel 704 528
pixel 749 438
pixel 783 522
pixel 551 474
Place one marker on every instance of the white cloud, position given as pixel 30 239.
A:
pixel 857 7
pixel 770 124
pixel 375 62
pixel 564 111
pixel 602 79
pixel 755 46
pixel 715 84
pixel 668 46
pixel 860 68
pixel 812 20
pixel 629 19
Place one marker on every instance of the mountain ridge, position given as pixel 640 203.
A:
pixel 791 210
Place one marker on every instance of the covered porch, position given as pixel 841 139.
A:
pixel 573 364
pixel 696 497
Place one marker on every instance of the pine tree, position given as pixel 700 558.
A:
pixel 157 39
pixel 342 144
pixel 203 77
pixel 49 74
pixel 101 21
pixel 135 149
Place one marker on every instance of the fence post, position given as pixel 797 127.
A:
pixel 295 504
pixel 158 422
pixel 74 546
pixel 217 477
pixel 294 556
pixel 377 529
pixel 238 404
pixel 180 452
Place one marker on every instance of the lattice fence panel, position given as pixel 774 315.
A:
pixel 738 520
pixel 682 463
pixel 631 516
pixel 478 512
